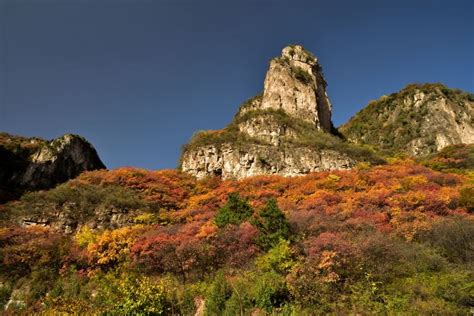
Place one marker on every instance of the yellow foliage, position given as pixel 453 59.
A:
pixel 363 166
pixel 411 181
pixel 334 177
pixel 145 218
pixel 85 236
pixel 113 246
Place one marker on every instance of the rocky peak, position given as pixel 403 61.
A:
pixel 296 53
pixel 295 84
pixel 32 163
pixel 285 130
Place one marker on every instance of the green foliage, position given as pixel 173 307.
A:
pixel 219 292
pixel 446 293
pixel 279 259
pixel 453 238
pixel 241 300
pixel 272 224
pixel 133 295
pixel 456 158
pixel 5 292
pixel 308 136
pixel 270 291
pixel 235 211
pixel 19 145
pixel 467 198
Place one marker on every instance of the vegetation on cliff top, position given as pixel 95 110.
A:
pixel 306 136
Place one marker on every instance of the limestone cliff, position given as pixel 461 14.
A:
pixel 31 163
pixel 286 130
pixel 419 120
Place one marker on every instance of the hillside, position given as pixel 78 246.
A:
pixel 419 120
pixel 396 239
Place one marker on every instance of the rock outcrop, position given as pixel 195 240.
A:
pixel 286 130
pixel 295 84
pixel 419 120
pixel 28 164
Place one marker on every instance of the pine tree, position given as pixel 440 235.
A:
pixel 235 211
pixel 272 224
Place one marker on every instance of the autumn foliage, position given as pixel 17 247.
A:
pixel 339 242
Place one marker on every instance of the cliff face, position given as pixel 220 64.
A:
pixel 28 164
pixel 286 130
pixel 231 162
pixel 420 119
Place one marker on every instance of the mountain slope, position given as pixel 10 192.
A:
pixel 391 239
pixel 419 120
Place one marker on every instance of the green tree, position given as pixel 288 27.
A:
pixel 235 211
pixel 272 224
pixel 219 293
pixel 270 291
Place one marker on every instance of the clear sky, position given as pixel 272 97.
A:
pixel 138 78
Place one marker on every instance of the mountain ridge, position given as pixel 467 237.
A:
pixel 418 120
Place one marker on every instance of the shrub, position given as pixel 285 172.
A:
pixel 454 239
pixel 302 75
pixel 270 291
pixel 219 292
pixel 466 198
pixel 131 295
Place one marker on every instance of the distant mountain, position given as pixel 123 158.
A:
pixel 287 130
pixel 420 119
pixel 28 164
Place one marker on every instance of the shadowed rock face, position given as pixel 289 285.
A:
pixel 28 164
pixel 286 130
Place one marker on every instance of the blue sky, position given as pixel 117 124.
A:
pixel 138 78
